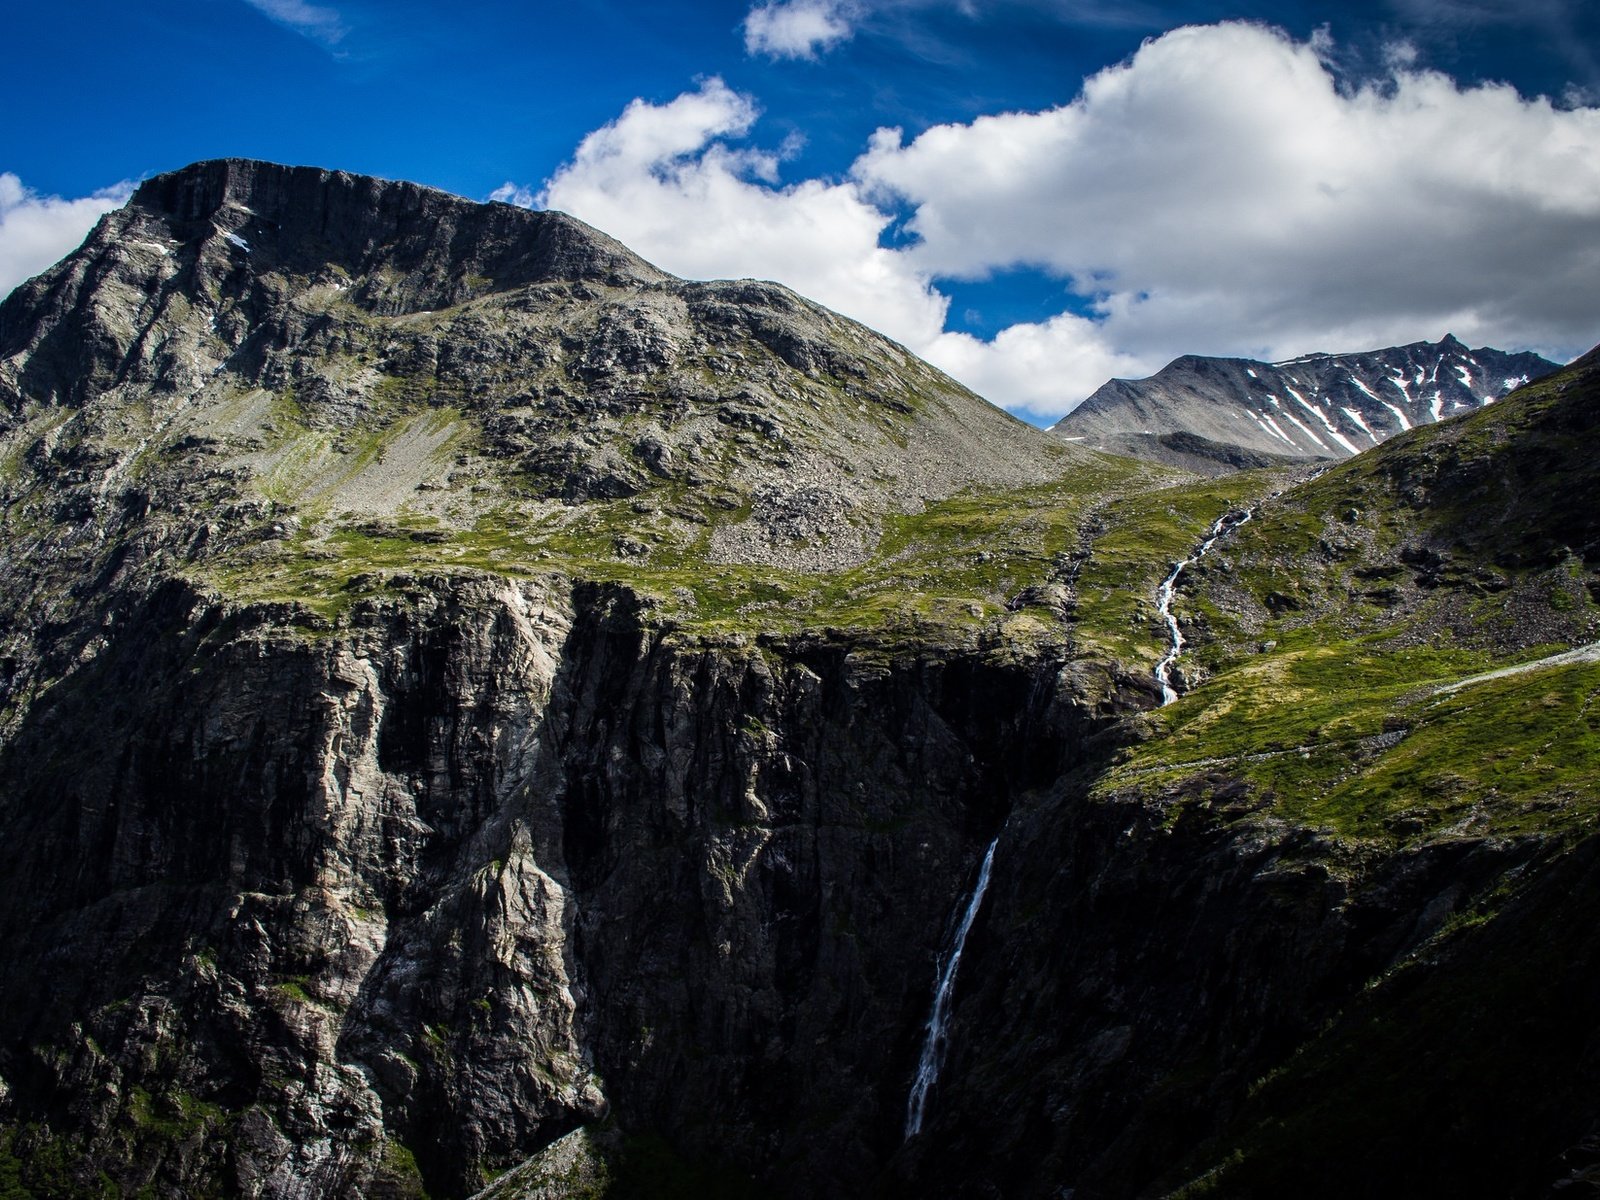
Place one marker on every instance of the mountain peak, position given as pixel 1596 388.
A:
pixel 307 326
pixel 359 221
pixel 1227 412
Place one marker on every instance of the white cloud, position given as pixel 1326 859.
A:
pixel 1218 193
pixel 515 193
pixel 797 28
pixel 320 24
pixel 37 230
pixel 664 180
pixel 1036 368
pixel 1225 197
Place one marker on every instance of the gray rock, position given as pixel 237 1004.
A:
pixel 1221 414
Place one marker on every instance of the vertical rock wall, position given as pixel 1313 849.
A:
pixel 324 912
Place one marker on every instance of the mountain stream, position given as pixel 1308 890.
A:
pixel 1226 523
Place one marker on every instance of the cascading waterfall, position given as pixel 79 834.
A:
pixel 933 1045
pixel 1227 522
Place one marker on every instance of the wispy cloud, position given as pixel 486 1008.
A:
pixel 1567 26
pixel 1482 12
pixel 798 28
pixel 515 193
pixel 324 25
pixel 36 230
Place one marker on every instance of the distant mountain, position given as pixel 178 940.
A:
pixel 1220 413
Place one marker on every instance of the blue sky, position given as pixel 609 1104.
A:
pixel 1035 194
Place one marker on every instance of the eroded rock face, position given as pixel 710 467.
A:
pixel 358 914
pixel 494 864
pixel 294 897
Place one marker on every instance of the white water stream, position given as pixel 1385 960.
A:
pixel 1227 522
pixel 933 1045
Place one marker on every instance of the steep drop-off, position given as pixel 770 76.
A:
pixel 473 702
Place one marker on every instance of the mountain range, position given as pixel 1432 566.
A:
pixel 482 716
pixel 1230 412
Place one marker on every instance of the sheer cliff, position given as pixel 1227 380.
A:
pixel 479 713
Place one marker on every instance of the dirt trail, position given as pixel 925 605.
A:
pixel 1567 658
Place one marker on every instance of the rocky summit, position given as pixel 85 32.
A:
pixel 482 716
pixel 1212 414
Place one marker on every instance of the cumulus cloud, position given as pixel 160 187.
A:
pixel 1220 194
pixel 797 28
pixel 1217 193
pixel 37 230
pixel 1037 368
pixel 320 24
pixel 666 180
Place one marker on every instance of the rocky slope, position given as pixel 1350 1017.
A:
pixel 473 703
pixel 1225 413
pixel 390 781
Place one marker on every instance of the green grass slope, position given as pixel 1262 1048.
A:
pixel 1398 654
pixel 1335 634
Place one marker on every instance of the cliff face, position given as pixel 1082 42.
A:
pixel 468 698
pixel 491 864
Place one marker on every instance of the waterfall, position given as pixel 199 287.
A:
pixel 933 1045
pixel 1227 522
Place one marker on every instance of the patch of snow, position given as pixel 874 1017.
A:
pixel 1337 436
pixel 1355 417
pixel 1511 384
pixel 1363 387
pixel 1436 409
pixel 1465 376
pixel 1290 417
pixel 237 241
pixel 1250 373
pixel 1270 427
pixel 1398 415
pixel 1333 432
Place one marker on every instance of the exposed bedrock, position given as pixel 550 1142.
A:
pixel 495 862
